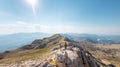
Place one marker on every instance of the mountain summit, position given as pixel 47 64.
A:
pixel 41 43
pixel 54 51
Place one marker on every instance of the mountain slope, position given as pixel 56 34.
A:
pixel 41 43
pixel 34 51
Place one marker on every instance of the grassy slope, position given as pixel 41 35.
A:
pixel 27 55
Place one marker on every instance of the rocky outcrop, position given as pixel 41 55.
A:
pixel 71 57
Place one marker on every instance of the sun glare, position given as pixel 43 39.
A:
pixel 33 4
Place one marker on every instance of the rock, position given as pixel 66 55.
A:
pixel 1 56
pixel 55 49
pixel 44 64
pixel 111 65
pixel 74 57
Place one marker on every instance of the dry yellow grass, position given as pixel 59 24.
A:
pixel 27 55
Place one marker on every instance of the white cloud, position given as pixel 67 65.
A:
pixel 13 28
pixel 21 23
pixel 20 26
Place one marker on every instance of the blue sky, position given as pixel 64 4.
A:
pixel 60 16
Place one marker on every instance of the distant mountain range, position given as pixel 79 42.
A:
pixel 13 41
pixel 96 39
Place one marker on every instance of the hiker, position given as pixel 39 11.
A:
pixel 65 45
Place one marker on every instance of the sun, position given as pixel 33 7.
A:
pixel 33 4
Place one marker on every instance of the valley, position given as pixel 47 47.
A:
pixel 109 54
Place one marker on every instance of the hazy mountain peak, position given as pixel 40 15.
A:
pixel 41 43
pixel 56 35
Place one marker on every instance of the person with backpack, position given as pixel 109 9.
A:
pixel 65 45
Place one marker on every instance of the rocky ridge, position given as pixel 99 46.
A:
pixel 72 56
pixel 41 43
